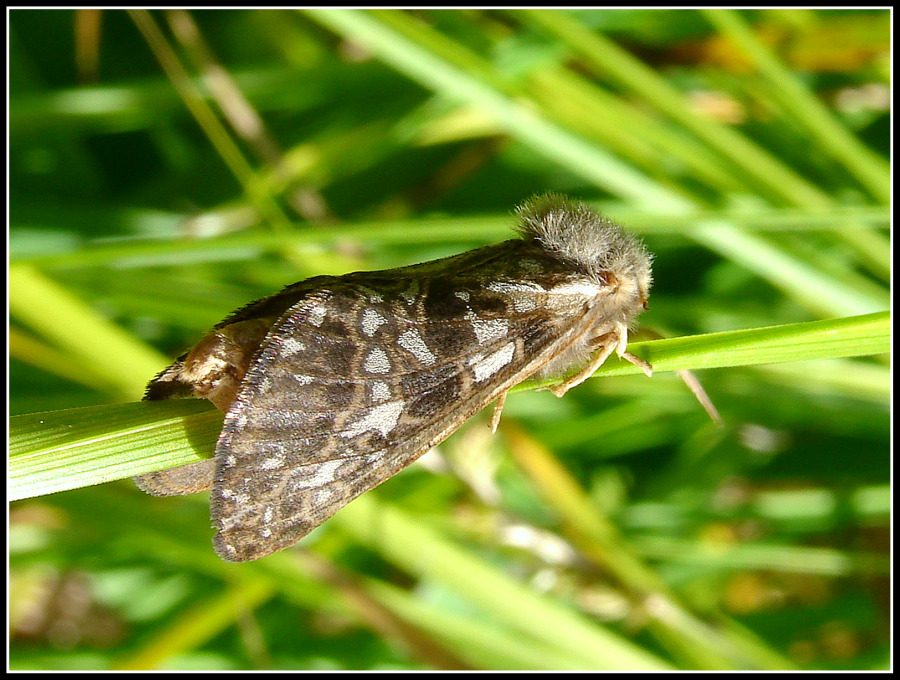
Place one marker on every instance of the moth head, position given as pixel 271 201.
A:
pixel 576 233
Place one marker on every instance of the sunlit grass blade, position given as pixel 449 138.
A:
pixel 62 450
pixel 89 339
pixel 428 555
pixel 425 65
pixel 72 448
pixel 871 170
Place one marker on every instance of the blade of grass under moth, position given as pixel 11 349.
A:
pixel 867 334
pixel 61 450
pixel 50 455
pixel 72 448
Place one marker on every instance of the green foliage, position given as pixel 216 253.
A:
pixel 168 167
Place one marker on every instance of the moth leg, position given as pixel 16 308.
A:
pixel 610 342
pixel 622 332
pixel 498 409
pixel 616 340
pixel 645 367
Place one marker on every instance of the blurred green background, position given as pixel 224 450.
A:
pixel 167 167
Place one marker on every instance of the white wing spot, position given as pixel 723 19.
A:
pixel 316 315
pixel 411 341
pixel 292 345
pixel 485 367
pixel 576 289
pixel 507 287
pixel 272 463
pixel 382 418
pixel 371 320
pixel 490 329
pixel 524 296
pixel 321 474
pixel 379 390
pixel 377 361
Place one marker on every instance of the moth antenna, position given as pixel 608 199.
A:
pixel 693 384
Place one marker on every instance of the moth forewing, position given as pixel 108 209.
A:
pixel 323 449
pixel 336 383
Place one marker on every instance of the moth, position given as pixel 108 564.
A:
pixel 336 383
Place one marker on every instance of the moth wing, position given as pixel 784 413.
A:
pixel 178 481
pixel 347 390
pixel 173 382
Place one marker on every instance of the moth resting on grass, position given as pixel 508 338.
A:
pixel 339 382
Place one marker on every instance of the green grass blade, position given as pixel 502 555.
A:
pixel 87 337
pixel 870 169
pixel 430 556
pixel 568 150
pixel 62 450
pixel 617 63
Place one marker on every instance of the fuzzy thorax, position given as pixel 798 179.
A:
pixel 574 232
pixel 616 262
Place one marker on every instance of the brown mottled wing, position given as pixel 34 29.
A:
pixel 175 383
pixel 358 380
